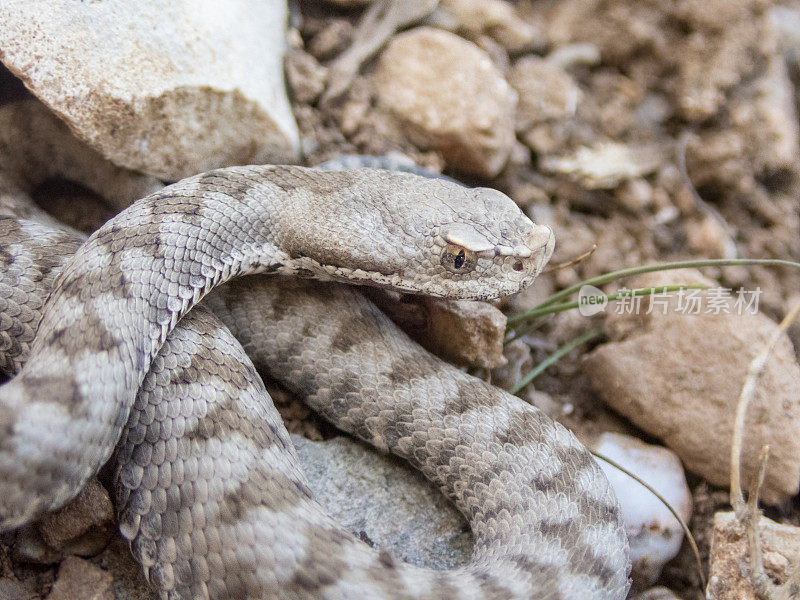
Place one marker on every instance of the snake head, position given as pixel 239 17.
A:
pixel 420 235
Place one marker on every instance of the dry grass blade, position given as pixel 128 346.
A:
pixel 756 368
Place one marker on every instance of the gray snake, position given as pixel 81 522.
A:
pixel 210 491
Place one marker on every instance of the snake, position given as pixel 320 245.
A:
pixel 208 486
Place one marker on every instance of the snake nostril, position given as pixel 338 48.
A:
pixel 518 266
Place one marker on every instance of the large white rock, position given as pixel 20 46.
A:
pixel 168 88
pixel 654 533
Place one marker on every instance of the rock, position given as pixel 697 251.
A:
pixel 378 23
pixel 129 582
pixel 450 97
pixel 494 18
pixel 678 376
pixel 385 502
pixel 606 164
pixel 698 49
pixel 466 332
pixel 332 39
pixel 11 589
pixel 305 75
pixel 546 92
pixel 763 136
pixel 786 22
pixel 729 571
pixel 654 533
pixel 164 88
pixel 84 526
pixel 656 593
pixel 78 578
pixel 36 146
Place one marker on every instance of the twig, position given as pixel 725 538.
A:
pixel 758 577
pixel 680 152
pixel 754 372
pixel 570 263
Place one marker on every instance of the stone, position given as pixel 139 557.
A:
pixel 678 376
pixel 606 164
pixel 83 526
pixel 656 593
pixel 450 97
pixel 305 75
pixel 654 533
pixel 729 569
pixel 78 578
pixel 11 589
pixel 385 502
pixel 465 332
pixel 36 146
pixel 495 18
pixel 377 24
pixel 157 86
pixel 546 92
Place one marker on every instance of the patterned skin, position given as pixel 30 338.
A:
pixel 208 486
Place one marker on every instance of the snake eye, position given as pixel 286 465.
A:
pixel 458 259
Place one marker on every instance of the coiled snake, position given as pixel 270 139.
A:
pixel 207 482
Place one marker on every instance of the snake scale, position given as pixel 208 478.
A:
pixel 208 486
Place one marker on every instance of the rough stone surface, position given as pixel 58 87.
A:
pixel 78 578
pixel 729 571
pixel 495 18
pixel 656 593
pixel 11 589
pixel 157 86
pixel 36 146
pixel 305 75
pixel 605 165
pixel 678 376
pixel 546 91
pixel 128 579
pixel 385 502
pixel 467 332
pixel 84 526
pixel 654 533
pixel 450 96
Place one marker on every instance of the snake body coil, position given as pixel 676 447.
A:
pixel 209 487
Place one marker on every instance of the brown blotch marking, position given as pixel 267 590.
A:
pixel 401 374
pixel 350 334
pixel 545 574
pixel 471 394
pixel 60 387
pixel 274 491
pixel 235 185
pixel 88 333
pixel 321 567
pixel 50 259
pixel 492 586
pixel 524 427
